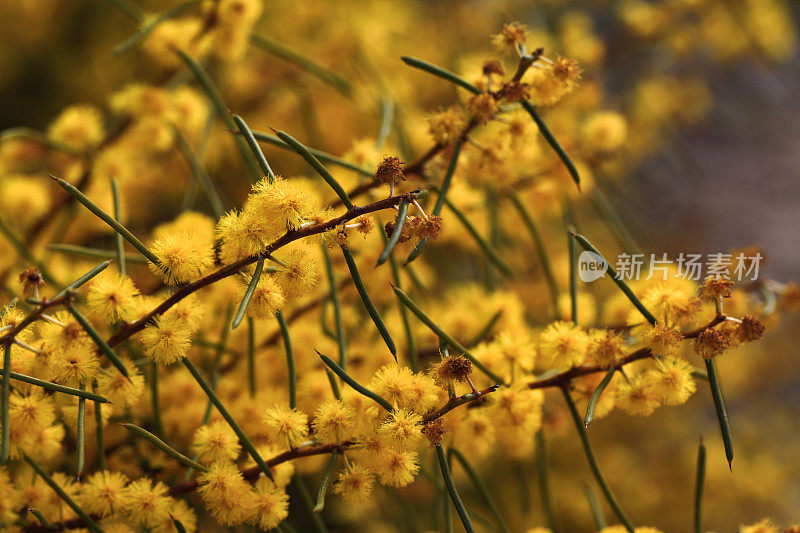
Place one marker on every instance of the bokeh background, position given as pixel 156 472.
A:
pixel 723 177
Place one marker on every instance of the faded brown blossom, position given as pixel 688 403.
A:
pixel 715 287
pixel 434 431
pixel 751 329
pixel 712 342
pixel 30 280
pixel 390 171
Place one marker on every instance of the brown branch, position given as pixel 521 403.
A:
pixel 129 329
pixel 253 473
pixel 565 378
pixel 34 315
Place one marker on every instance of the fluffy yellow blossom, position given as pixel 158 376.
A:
pixel 80 127
pixel 562 344
pixel 166 340
pixel 112 297
pixel 216 442
pixel 270 505
pixel 334 421
pixel 104 493
pixel 182 257
pixel 672 381
pixel 284 426
pixel 146 502
pixel 398 469
pixel 354 484
pixel 267 299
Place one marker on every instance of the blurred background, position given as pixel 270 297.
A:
pixel 717 171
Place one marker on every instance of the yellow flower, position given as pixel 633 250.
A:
pixel 146 502
pixel 562 344
pixel 334 422
pixel 285 426
pixel 103 493
pixel 182 257
pixel 354 484
pixel 166 340
pixel 80 127
pixel 270 505
pixel 112 297
pixel 216 442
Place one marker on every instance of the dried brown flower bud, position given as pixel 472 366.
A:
pixel 427 228
pixel 751 329
pixel 454 369
pixel 712 342
pixel 493 66
pixel 390 171
pixel 30 279
pixel 482 106
pixel 715 287
pixel 434 431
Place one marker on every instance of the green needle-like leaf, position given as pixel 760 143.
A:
pixel 408 302
pixel 87 520
pixel 163 446
pixel 55 387
pixel 544 258
pixel 118 241
pixel 94 252
pixel 451 489
pixel 287 346
pixel 317 166
pixel 80 441
pixel 353 383
pixel 41 518
pixel 105 217
pixel 595 508
pixel 440 73
pixel 248 445
pixel 491 253
pixel 395 237
pixel 362 291
pixel 104 347
pixel 586 245
pixel 323 484
pixel 222 110
pixel 699 484
pixel 248 294
pixel 481 487
pixel 595 468
pixel 337 309
pixel 722 413
pixel 319 154
pixel 98 428
pixel 437 207
pixel 254 147
pixel 83 279
pixel 593 399
pixel 573 275
pixel 199 173
pixel 552 141
pixel 315 69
